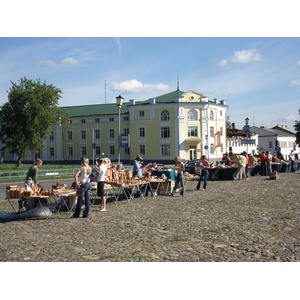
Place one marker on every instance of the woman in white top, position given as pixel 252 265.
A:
pixel 102 164
pixel 83 188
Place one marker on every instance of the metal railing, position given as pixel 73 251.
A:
pixel 41 174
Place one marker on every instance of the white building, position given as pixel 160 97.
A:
pixel 276 139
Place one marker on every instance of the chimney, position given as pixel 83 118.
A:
pixel 233 125
pixel 132 102
pixel 216 100
pixel 152 100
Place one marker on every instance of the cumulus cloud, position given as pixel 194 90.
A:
pixel 295 83
pixel 135 86
pixel 47 62
pixel 70 61
pixel 242 57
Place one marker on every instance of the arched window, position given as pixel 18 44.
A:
pixel 164 116
pixel 192 115
pixel 211 115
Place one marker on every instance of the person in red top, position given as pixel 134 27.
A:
pixel 263 164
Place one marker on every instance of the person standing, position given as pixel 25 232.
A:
pixel 269 163
pixel 102 164
pixel 292 160
pixel 241 166
pixel 263 164
pixel 204 173
pixel 179 169
pixel 30 182
pixel 137 166
pixel 83 188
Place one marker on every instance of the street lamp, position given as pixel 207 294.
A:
pixel 247 121
pixel 119 100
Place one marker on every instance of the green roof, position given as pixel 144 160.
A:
pixel 112 108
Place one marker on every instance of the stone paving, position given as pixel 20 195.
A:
pixel 232 221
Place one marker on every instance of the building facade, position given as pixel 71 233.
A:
pixel 276 139
pixel 184 124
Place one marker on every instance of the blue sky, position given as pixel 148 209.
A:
pixel 258 77
pixel 248 56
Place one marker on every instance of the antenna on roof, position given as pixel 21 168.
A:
pixel 105 90
pixel 177 82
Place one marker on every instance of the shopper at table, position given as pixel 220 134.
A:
pixel 137 166
pixel 30 181
pixel 204 173
pixel 241 171
pixel 269 163
pixel 83 188
pixel 292 160
pixel 179 169
pixel 263 164
pixel 102 165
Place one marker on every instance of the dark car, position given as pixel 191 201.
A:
pixel 151 165
pixel 193 167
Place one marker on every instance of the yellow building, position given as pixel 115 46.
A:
pixel 178 123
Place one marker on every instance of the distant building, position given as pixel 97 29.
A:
pixel 275 139
pixel 238 141
pixel 184 124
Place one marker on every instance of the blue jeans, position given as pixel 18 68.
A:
pixel 179 179
pixel 84 191
pixel 203 176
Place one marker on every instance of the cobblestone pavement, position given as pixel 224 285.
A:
pixel 235 221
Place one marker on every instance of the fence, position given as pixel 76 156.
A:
pixel 42 173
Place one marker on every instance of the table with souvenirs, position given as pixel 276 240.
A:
pixel 50 200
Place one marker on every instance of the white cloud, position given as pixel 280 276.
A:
pixel 298 64
pixel 70 61
pixel 135 86
pixel 242 57
pixel 47 62
pixel 295 83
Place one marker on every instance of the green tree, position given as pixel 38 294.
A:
pixel 27 117
pixel 297 128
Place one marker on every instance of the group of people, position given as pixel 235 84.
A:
pixel 85 173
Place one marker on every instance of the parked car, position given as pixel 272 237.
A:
pixel 151 165
pixel 193 167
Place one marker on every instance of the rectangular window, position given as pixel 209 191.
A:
pixel 97 120
pixel 212 148
pixel 164 150
pixel 97 134
pixel 111 133
pixel 70 151
pixel 193 131
pixel 212 131
pixel 51 152
pixel 51 136
pixel 111 119
pixel 141 113
pixel 142 132
pixel 126 151
pixel 112 150
pixel 83 151
pixel 164 132
pixel 126 130
pixel 126 118
pixel 83 135
pixel 98 151
pixel 142 150
pixel 69 135
pixel 82 121
pixel 270 144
